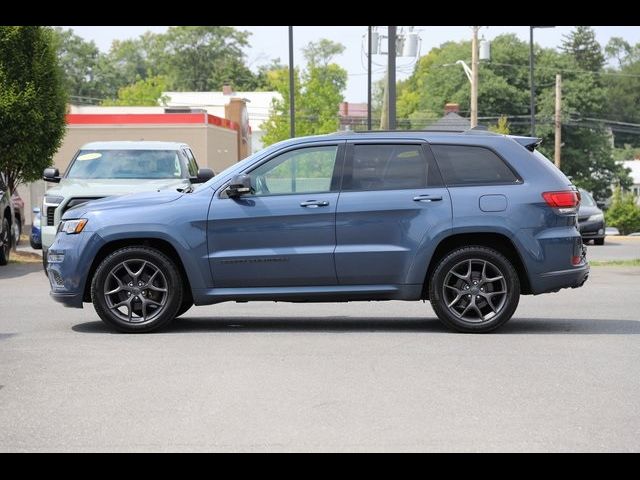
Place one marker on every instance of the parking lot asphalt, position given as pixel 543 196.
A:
pixel 562 375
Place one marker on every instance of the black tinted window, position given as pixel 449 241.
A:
pixel 462 165
pixel 386 167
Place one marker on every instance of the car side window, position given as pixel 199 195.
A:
pixel 471 165
pixel 388 167
pixel 306 170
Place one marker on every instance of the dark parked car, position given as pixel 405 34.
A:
pixel 468 220
pixel 7 235
pixel 591 219
pixel 36 230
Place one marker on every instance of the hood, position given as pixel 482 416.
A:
pixel 124 201
pixel 77 187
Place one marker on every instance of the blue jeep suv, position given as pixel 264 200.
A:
pixel 469 221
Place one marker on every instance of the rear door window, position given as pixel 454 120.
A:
pixel 471 165
pixel 387 167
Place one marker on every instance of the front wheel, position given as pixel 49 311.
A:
pixel 474 289
pixel 5 240
pixel 137 289
pixel 598 241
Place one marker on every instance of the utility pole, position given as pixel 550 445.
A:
pixel 292 89
pixel 474 78
pixel 391 79
pixel 532 86
pixel 369 49
pixel 558 121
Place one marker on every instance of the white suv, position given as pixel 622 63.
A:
pixel 104 169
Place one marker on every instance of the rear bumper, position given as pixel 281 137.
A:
pixel 554 281
pixel 549 255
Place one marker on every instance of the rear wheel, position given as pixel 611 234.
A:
pixel 474 289
pixel 5 239
pixel 137 289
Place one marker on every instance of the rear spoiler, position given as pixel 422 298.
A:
pixel 530 143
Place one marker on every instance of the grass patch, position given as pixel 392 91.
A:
pixel 24 257
pixel 615 263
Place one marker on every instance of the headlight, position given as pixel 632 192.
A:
pixel 72 226
pixel 596 217
pixel 53 200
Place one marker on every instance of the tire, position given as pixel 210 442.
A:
pixel 186 304
pixel 137 290
pixel 5 235
pixel 484 308
pixel 598 241
pixel 44 261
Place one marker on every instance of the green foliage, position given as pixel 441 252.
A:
pixel 624 213
pixel 502 126
pixel 581 44
pixel 198 58
pixel 203 58
pixel 79 61
pixel 318 93
pixel 626 153
pixel 623 88
pixel 147 92
pixel 32 102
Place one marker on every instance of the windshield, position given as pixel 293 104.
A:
pixel 586 199
pixel 122 164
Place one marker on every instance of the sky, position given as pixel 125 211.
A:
pixel 268 43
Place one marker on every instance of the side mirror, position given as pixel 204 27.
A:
pixel 51 175
pixel 240 185
pixel 204 175
pixel 601 205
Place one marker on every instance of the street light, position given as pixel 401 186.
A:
pixel 531 81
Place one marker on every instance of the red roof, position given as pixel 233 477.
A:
pixel 148 119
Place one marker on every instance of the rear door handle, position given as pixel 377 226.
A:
pixel 314 203
pixel 427 198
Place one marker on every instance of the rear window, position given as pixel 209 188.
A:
pixel 466 165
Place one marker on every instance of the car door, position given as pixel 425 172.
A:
pixel 283 233
pixel 392 200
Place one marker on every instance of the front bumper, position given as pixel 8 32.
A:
pixel 68 275
pixel 593 229
pixel 71 300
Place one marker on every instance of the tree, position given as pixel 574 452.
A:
pixel 502 126
pixel 143 92
pixel 437 80
pixel 623 89
pixel 582 45
pixel 79 61
pixel 32 102
pixel 624 213
pixel 318 94
pixel 204 58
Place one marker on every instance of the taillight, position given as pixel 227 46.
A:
pixel 568 199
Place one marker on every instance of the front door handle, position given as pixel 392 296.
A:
pixel 427 198
pixel 314 203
